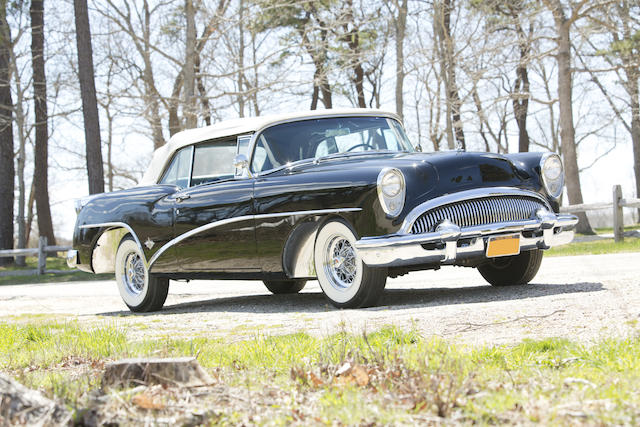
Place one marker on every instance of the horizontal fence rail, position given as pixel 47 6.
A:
pixel 616 206
pixel 42 252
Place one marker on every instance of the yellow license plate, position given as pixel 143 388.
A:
pixel 503 245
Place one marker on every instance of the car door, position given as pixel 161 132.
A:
pixel 214 226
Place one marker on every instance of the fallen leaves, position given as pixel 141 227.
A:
pixel 145 400
pixel 349 374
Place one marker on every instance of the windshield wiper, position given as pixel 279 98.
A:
pixel 348 154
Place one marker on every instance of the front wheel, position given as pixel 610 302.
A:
pixel 285 286
pixel 139 291
pixel 512 270
pixel 346 281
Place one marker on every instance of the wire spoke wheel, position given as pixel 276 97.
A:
pixel 139 290
pixel 134 273
pixel 340 262
pixel 345 280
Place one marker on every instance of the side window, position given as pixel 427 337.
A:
pixel 178 172
pixel 213 161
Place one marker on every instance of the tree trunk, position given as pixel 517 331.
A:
pixel 567 131
pixel 240 83
pixel 40 176
pixel 442 21
pixel 521 100
pixel 189 67
pixel 632 78
pixel 151 93
pixel 22 153
pixel 95 169
pixel 358 72
pixel 7 174
pixel 400 30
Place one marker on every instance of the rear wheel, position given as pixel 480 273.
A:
pixel 346 281
pixel 139 291
pixel 512 270
pixel 285 286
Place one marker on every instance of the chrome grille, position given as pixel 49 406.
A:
pixel 488 210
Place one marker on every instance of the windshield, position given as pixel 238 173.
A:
pixel 312 139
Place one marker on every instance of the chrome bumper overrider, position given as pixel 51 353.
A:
pixel 449 243
pixel 72 258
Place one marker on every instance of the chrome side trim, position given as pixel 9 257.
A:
pixel 123 225
pixel 222 222
pixel 478 193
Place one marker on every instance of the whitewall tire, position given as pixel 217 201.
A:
pixel 139 291
pixel 346 281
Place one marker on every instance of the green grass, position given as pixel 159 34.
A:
pixel 410 377
pixel 67 274
pixel 604 246
pixel 605 230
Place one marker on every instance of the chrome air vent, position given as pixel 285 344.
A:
pixel 480 211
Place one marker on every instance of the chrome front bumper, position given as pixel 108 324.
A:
pixel 450 244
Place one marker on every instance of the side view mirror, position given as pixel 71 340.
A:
pixel 241 163
pixel 418 148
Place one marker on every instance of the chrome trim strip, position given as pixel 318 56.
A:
pixel 193 150
pixel 478 193
pixel 222 222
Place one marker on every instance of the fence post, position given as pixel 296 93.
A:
pixel 42 254
pixel 618 221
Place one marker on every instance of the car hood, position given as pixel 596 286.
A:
pixel 433 174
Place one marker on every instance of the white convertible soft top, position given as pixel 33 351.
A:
pixel 239 127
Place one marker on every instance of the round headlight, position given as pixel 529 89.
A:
pixel 391 184
pixel 391 191
pixel 552 168
pixel 552 174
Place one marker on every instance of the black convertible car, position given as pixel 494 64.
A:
pixel 337 195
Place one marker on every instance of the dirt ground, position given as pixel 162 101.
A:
pixel 584 298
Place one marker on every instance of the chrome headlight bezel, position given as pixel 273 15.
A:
pixel 553 182
pixel 392 191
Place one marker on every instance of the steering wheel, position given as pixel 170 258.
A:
pixel 360 145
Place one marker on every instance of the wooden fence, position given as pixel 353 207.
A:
pixel 42 252
pixel 616 206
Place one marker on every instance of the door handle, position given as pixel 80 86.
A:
pixel 182 197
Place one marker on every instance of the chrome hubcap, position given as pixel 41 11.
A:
pixel 340 262
pixel 134 273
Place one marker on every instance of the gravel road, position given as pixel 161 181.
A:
pixel 583 298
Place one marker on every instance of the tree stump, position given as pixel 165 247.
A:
pixel 181 371
pixel 20 405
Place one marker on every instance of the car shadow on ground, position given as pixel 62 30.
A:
pixel 392 299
